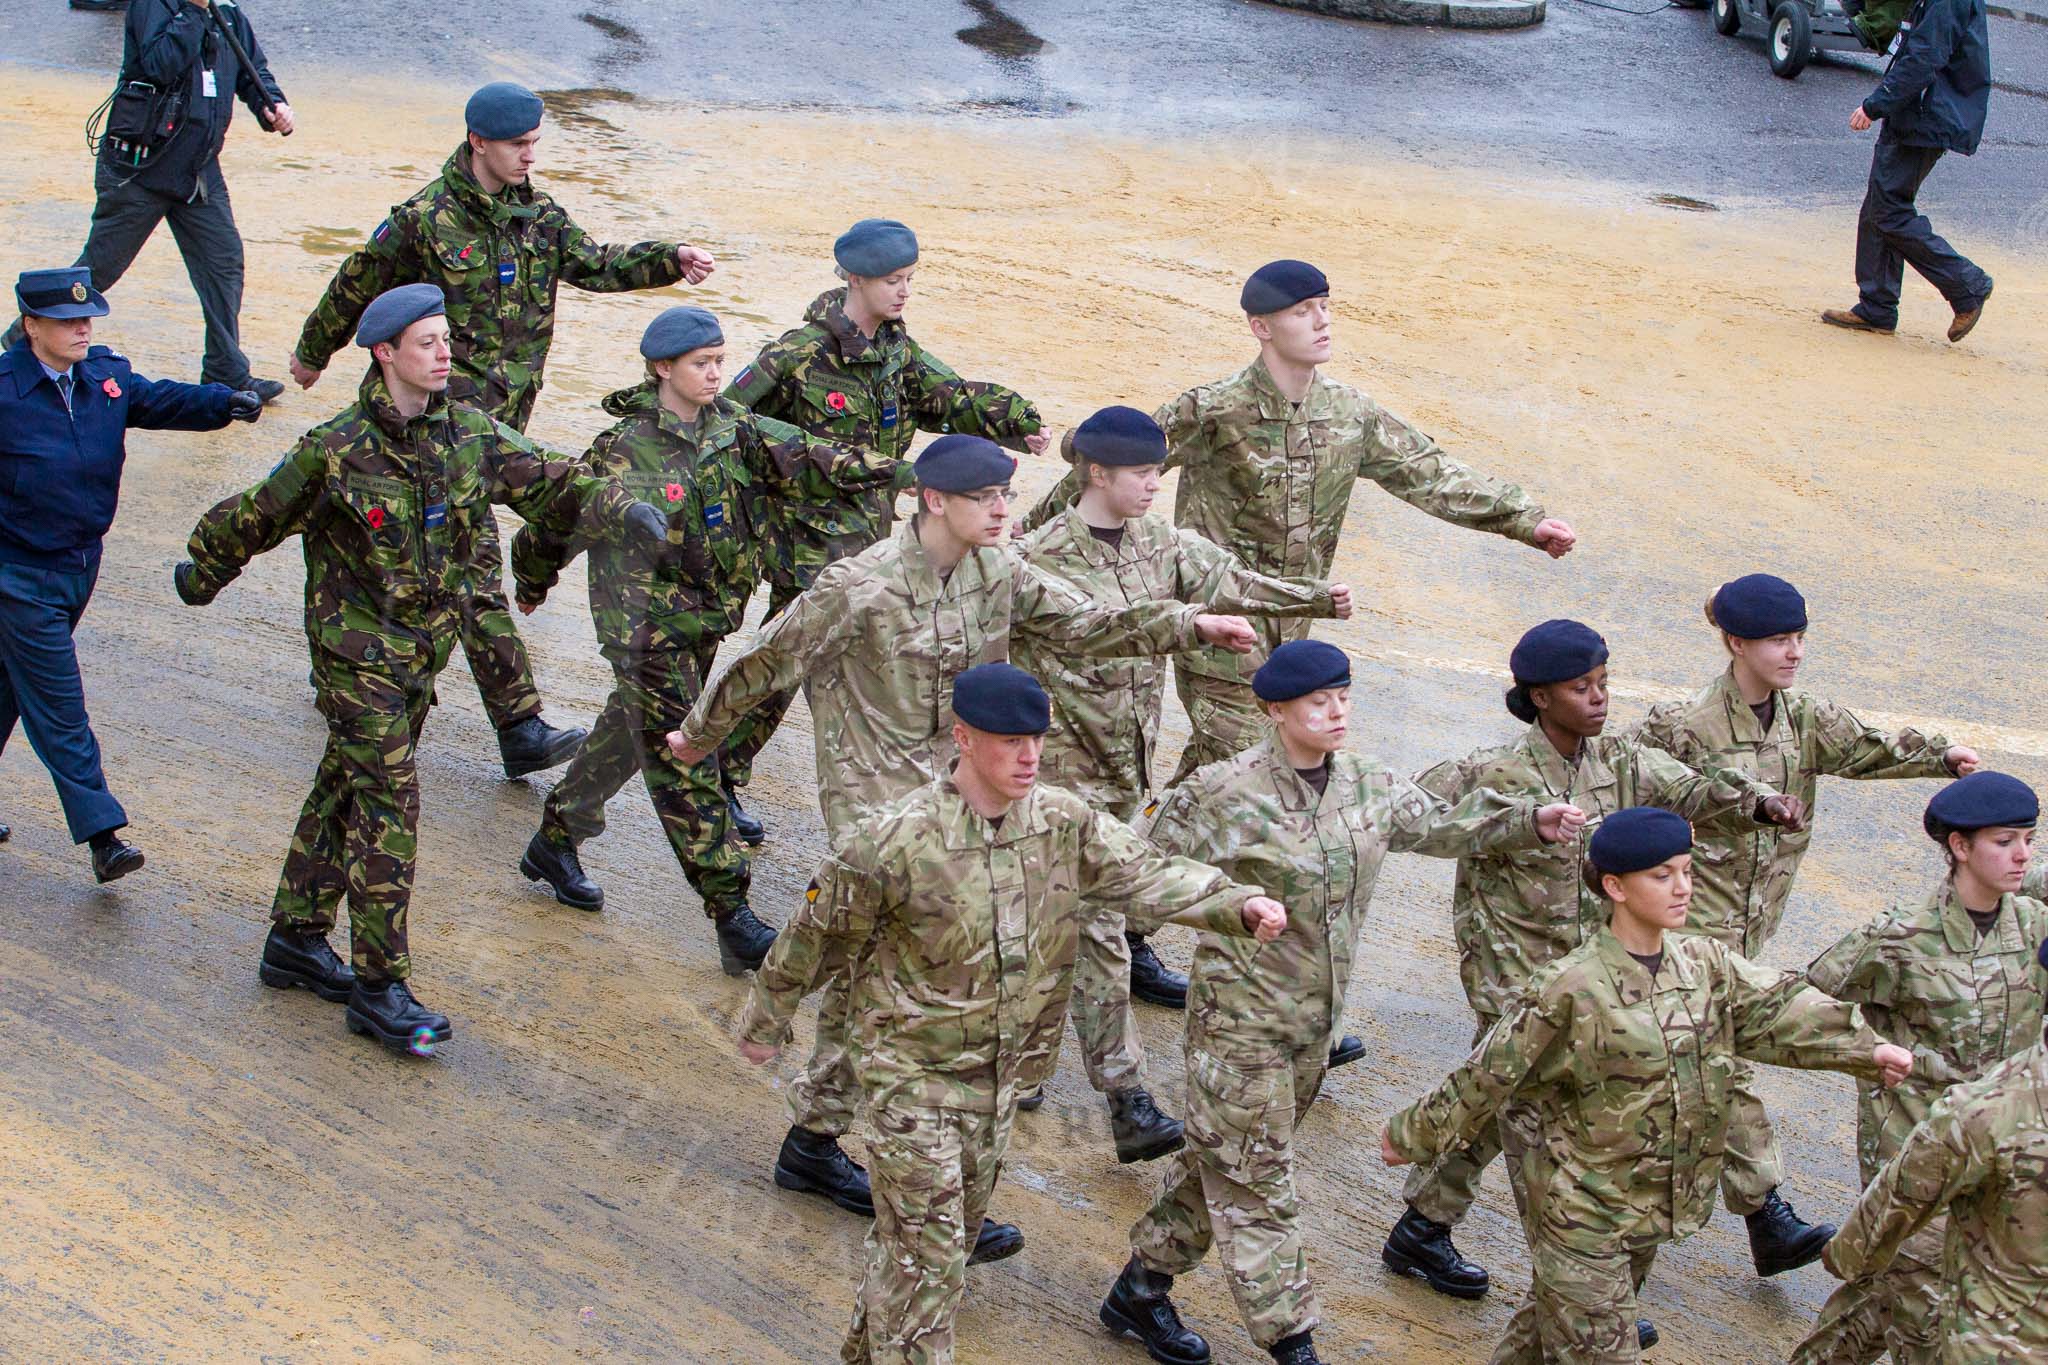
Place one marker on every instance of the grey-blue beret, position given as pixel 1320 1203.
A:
pixel 394 310
pixel 679 330
pixel 875 246
pixel 501 111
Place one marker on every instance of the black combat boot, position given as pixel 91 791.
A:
pixel 995 1241
pixel 1031 1103
pixel 751 831
pixel 811 1163
pixel 1780 1240
pixel 742 940
pixel 530 745
pixel 386 1011
pixel 1142 1133
pixel 1152 981
pixel 1646 1334
pixel 1346 1050
pixel 4 832
pixel 293 957
pixel 1422 1247
pixel 1298 1349
pixel 1137 1305
pixel 113 857
pixel 547 861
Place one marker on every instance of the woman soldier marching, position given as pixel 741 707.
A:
pixel 1753 721
pixel 1625 1049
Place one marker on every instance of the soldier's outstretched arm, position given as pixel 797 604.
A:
pixel 1782 1020
pixel 390 258
pixel 615 269
pixel 550 488
pixel 943 401
pixel 1940 1160
pixel 815 630
pixel 1523 1048
pixel 797 461
pixel 168 405
pixel 1216 578
pixel 1718 797
pixel 1479 821
pixel 1411 466
pixel 538 555
pixel 239 528
pixel 1155 888
pixel 1050 609
pixel 838 915
pixel 1845 746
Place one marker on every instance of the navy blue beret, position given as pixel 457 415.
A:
pixel 1002 699
pixel 875 246
pixel 61 294
pixel 1300 667
pixel 1982 800
pixel 1637 838
pixel 1555 652
pixel 1758 606
pixel 1281 284
pixel 501 111
pixel 2042 955
pixel 1120 436
pixel 679 330
pixel 963 464
pixel 394 310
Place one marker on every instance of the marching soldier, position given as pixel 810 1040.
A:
pixel 1268 458
pixel 957 912
pixel 877 642
pixel 1110 546
pixel 1622 1050
pixel 1954 978
pixel 390 496
pixel 853 375
pixel 715 467
pixel 1751 720
pixel 1311 822
pixel 499 249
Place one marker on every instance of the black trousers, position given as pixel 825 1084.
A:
pixel 1892 233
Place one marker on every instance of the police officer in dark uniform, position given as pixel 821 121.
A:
pixel 65 409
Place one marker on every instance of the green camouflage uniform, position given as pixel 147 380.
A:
pixel 1629 1081
pixel 1270 481
pixel 389 510
pixel 1261 1017
pixel 1981 1156
pixel 660 624
pixel 1964 1003
pixel 868 393
pixel 959 935
pixel 1513 913
pixel 499 260
pixel 876 643
pixel 1105 724
pixel 1741 882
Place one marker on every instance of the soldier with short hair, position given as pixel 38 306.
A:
pixel 499 249
pixel 956 911
pixel 390 497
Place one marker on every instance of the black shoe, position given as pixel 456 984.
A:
pixel 1780 1240
pixel 751 831
pixel 388 1013
pixel 115 858
pixel 303 958
pixel 1138 1306
pixel 4 832
pixel 1298 1349
pixel 995 1241
pixel 1646 1334
pixel 530 745
pixel 1142 1133
pixel 811 1163
pixel 742 940
pixel 265 389
pixel 1349 1049
pixel 562 870
pixel 1152 981
pixel 99 6
pixel 1422 1247
pixel 1030 1104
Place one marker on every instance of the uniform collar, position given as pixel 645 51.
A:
pixel 1294 793
pixel 922 581
pixel 1277 406
pixel 855 347
pixel 516 201
pixel 27 369
pixel 1556 770
pixel 1960 931
pixel 966 828
pixel 1633 979
pixel 1742 722
pixel 376 401
pixel 1097 553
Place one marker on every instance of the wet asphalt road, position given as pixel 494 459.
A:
pixel 1657 99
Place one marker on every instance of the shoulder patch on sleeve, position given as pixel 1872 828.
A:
pixel 383 231
pixel 812 894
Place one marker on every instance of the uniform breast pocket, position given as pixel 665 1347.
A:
pixel 464 260
pixel 386 514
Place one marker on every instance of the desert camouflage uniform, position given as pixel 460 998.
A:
pixel 499 260
pixel 960 936
pixel 1741 883
pixel 389 509
pixel 1261 1017
pixel 659 624
pixel 1513 913
pixel 867 393
pixel 1964 1003
pixel 1105 724
pixel 1981 1155
pixel 1270 481
pixel 1630 1082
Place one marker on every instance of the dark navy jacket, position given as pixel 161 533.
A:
pixel 60 473
pixel 1938 89
pixel 170 43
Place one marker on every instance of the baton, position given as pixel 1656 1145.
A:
pixel 242 56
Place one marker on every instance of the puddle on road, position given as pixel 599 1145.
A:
pixel 1685 203
pixel 999 35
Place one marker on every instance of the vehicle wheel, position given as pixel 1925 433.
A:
pixel 1791 39
pixel 1727 18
